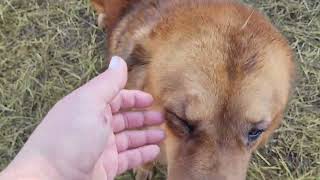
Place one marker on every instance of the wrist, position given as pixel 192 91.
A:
pixel 31 164
pixel 31 168
pixel 27 173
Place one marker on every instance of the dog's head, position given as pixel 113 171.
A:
pixel 221 73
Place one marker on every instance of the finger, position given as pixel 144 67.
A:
pixel 137 157
pixel 108 84
pixel 133 139
pixel 131 99
pixel 131 120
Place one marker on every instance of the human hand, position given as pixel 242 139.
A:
pixel 84 136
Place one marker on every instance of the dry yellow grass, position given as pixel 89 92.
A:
pixel 50 47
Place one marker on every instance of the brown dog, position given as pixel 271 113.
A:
pixel 219 71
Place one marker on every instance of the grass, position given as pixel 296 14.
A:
pixel 49 47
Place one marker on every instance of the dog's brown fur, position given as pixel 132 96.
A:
pixel 217 69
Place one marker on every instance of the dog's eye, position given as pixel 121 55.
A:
pixel 180 126
pixel 254 134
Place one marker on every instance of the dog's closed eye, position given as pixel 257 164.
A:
pixel 180 126
pixel 256 131
pixel 254 134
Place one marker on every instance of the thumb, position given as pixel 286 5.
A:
pixel 108 84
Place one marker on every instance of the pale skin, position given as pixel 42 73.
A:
pixel 89 133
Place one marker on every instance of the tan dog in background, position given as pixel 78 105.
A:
pixel 219 71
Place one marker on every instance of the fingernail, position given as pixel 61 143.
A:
pixel 114 63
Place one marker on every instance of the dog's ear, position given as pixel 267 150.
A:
pixel 123 41
pixel 98 5
pixel 110 11
pixel 138 62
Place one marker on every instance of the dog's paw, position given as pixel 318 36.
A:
pixel 143 174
